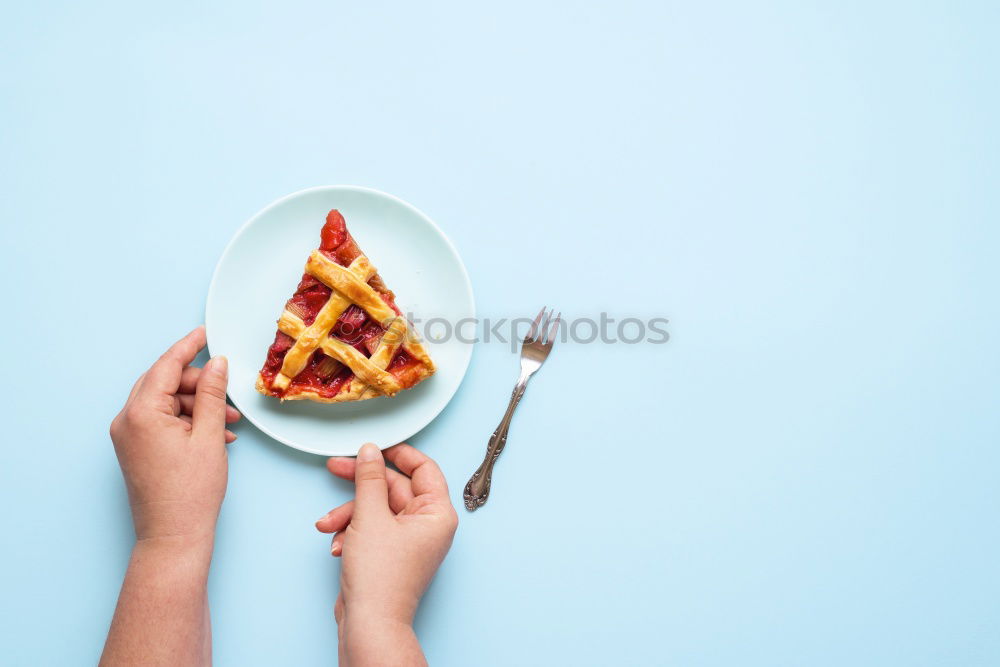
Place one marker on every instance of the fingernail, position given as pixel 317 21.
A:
pixel 367 453
pixel 218 365
pixel 324 516
pixel 335 548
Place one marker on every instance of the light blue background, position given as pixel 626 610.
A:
pixel 805 475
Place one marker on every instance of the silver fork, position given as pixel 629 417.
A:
pixel 534 350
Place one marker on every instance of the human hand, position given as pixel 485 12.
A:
pixel 170 440
pixel 393 536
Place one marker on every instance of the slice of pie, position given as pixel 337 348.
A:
pixel 341 337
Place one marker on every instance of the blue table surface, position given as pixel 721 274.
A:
pixel 806 474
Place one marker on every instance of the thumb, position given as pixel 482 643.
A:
pixel 209 415
pixel 372 492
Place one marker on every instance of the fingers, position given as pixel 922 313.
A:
pixel 165 375
pixel 230 436
pixel 189 379
pixel 400 492
pixel 336 519
pixel 184 405
pixel 377 487
pixel 425 475
pixel 209 411
pixel 371 488
pixel 337 545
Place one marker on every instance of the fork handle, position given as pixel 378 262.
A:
pixel 477 491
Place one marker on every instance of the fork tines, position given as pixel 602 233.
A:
pixel 545 333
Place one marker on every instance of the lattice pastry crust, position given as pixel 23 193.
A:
pixel 321 363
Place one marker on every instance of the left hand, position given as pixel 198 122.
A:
pixel 171 438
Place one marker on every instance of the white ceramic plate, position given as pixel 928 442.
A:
pixel 258 272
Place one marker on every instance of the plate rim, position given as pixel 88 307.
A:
pixel 340 187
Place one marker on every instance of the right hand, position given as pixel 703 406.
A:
pixel 393 536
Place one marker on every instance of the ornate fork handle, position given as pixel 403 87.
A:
pixel 477 491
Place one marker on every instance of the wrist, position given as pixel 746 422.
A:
pixel 181 553
pixel 174 522
pixel 380 615
pixel 372 636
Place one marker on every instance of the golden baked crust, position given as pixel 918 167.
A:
pixel 351 285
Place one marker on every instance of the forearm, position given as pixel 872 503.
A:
pixel 371 641
pixel 162 613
